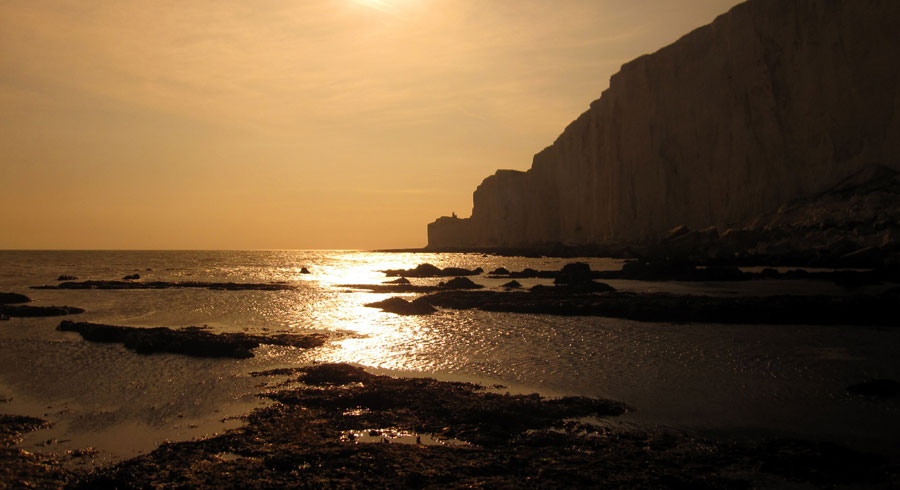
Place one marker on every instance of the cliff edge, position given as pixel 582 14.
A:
pixel 774 102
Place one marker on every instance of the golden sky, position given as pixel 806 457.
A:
pixel 224 124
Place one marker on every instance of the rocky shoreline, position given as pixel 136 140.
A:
pixel 342 427
pixel 336 425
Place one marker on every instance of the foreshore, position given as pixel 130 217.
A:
pixel 336 425
pixel 339 426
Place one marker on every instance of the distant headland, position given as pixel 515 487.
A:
pixel 772 132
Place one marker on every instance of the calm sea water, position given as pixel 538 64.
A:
pixel 741 380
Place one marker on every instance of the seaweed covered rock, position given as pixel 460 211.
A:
pixel 323 434
pixel 399 280
pixel 134 284
pixel 25 311
pixel 24 469
pixel 13 298
pixel 401 306
pixel 459 283
pixel 191 341
pixel 428 270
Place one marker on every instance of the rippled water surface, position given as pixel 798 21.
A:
pixel 740 379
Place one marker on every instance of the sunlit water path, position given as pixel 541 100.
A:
pixel 739 379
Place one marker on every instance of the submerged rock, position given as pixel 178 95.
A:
pixel 66 277
pixel 401 306
pixel 132 277
pixel 500 271
pixel 13 298
pixel 191 341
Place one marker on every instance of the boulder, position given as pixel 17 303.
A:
pixel 401 306
pixel 574 273
pixel 399 280
pixel 514 284
pixel 460 283
pixel 132 277
pixel 66 277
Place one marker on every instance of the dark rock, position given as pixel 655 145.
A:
pixel 304 270
pixel 512 284
pixel 574 273
pixel 740 239
pixel 879 388
pixel 500 271
pixel 399 280
pixel 581 287
pixel 191 341
pixel 132 277
pixel 13 298
pixel 308 439
pixel 854 279
pixel 877 310
pixel 460 283
pixel 721 273
pixel 26 469
pixel 333 375
pixel 402 307
pixel 23 311
pixel 529 273
pixel 769 273
pixel 676 232
pixel 66 277
pixel 393 288
pixel 20 424
pixel 129 284
pixel 797 274
pixel 428 270
pixel 864 257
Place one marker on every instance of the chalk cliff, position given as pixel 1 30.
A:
pixel 775 101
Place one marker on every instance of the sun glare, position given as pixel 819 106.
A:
pixel 382 5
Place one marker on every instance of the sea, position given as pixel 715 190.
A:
pixel 709 380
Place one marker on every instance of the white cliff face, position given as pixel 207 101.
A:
pixel 776 100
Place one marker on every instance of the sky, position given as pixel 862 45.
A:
pixel 302 124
